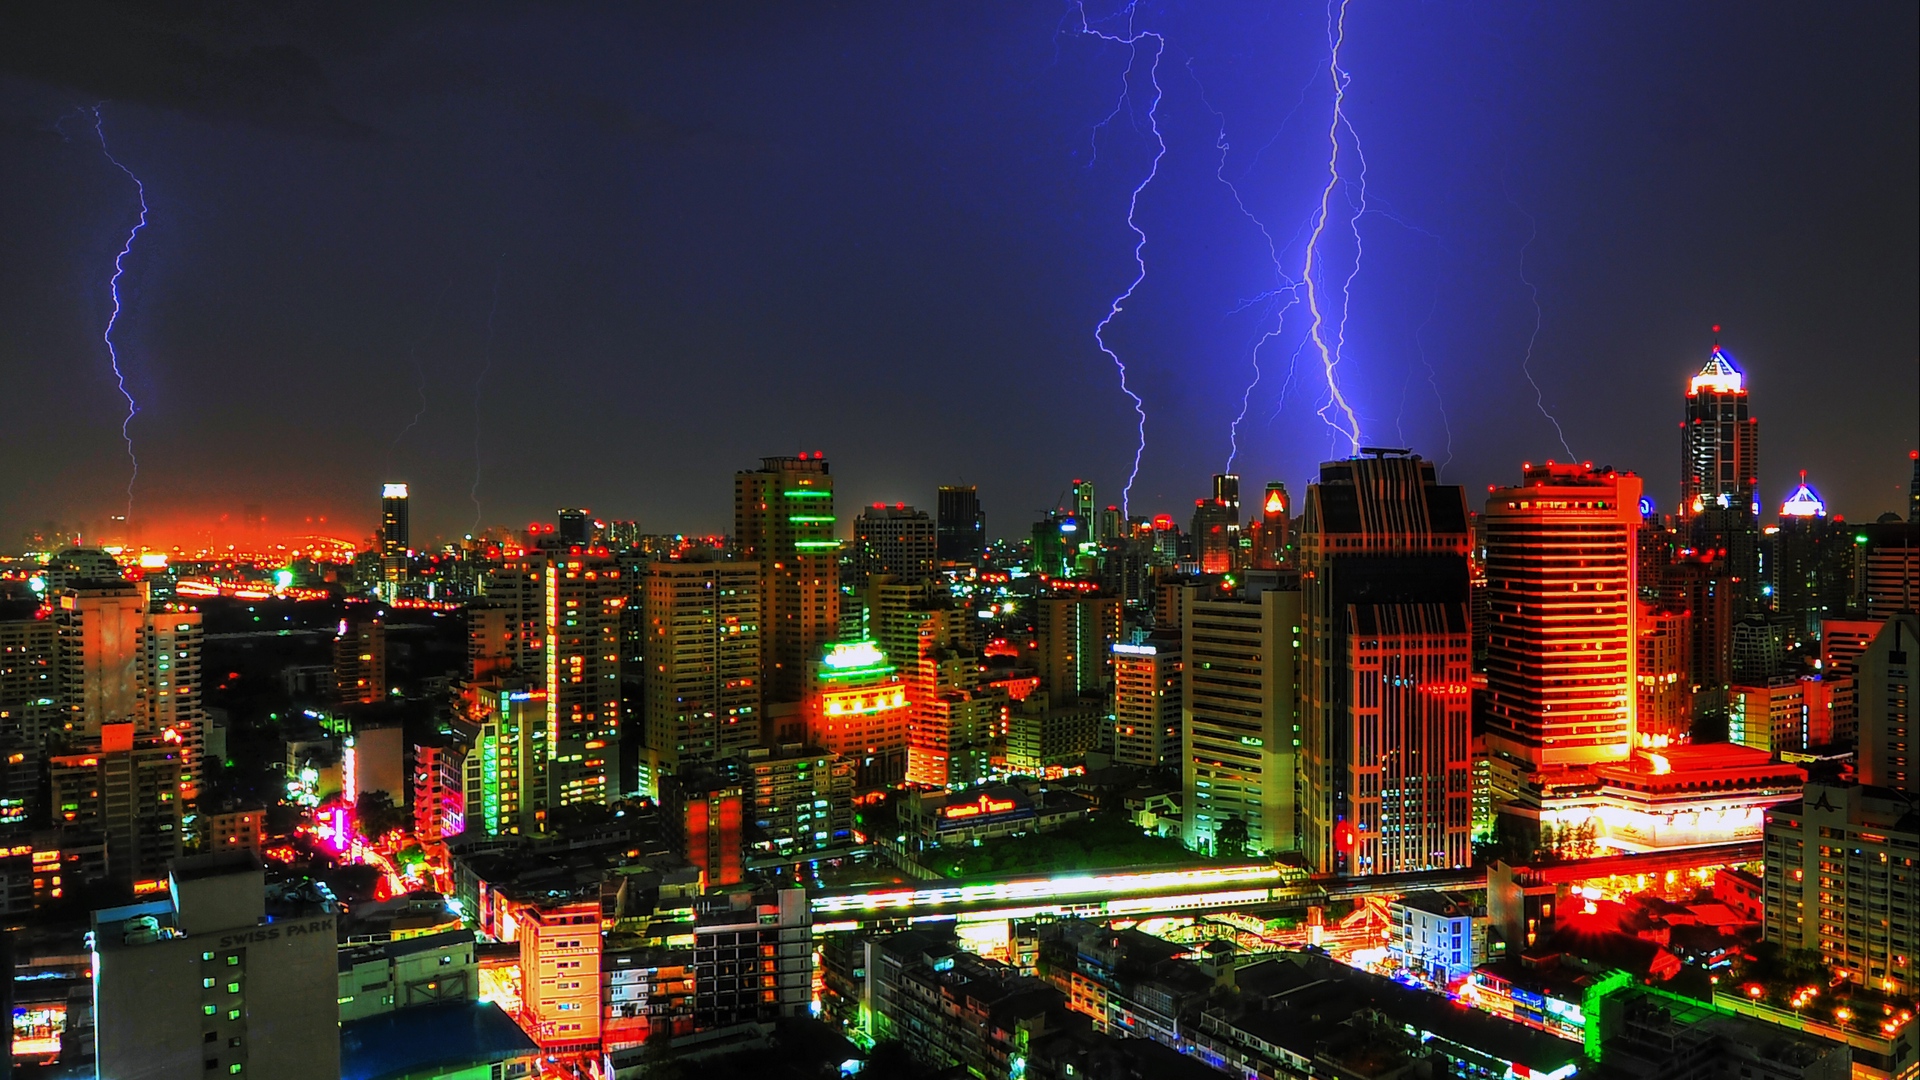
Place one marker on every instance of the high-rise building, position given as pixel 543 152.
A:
pixel 961 526
pixel 1226 492
pixel 1084 511
pixel 439 790
pixel 1664 697
pixel 1272 541
pixel 1076 635
pixel 576 527
pixel 1240 723
pixel 1216 535
pixel 214 978
pixel 29 660
pixel 799 800
pixel 1702 587
pixel 1885 684
pixel 1887 568
pixel 396 541
pixel 704 640
pixel 1148 687
pixel 100 623
pixel 585 594
pixel 857 708
pixel 505 772
pixel 1387 771
pixel 520 587
pixel 894 540
pixel 1841 643
pixel 360 660
pixel 1808 573
pixel 170 703
pixel 125 787
pixel 1720 442
pixel 783 520
pixel 953 720
pixel 1561 597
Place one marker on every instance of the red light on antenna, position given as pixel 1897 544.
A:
pixel 1716 328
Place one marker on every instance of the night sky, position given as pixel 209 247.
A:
pixel 704 233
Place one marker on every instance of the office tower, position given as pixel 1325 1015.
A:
pixel 1835 857
pixel 1885 674
pixel 1076 636
pixel 520 586
pixel 1272 542
pixel 1084 513
pixel 894 540
pixel 1216 534
pixel 214 978
pixel 560 974
pixel 29 660
pixel 1148 688
pixel 1841 643
pixel 1809 576
pixel 704 641
pixel 99 625
pixel 857 707
pixel 1226 492
pixel 1887 561
pixel 1664 694
pixel 1757 651
pixel 125 787
pixel 1561 646
pixel 576 527
pixel 396 541
pixel 492 635
pixel 961 528
pixel 713 813
pixel 360 660
pixel 396 536
pixel 1240 723
pixel 1720 443
pixel 169 705
pixel 1384 682
pixel 1701 586
pixel 783 520
pixel 585 594
pixel 1056 543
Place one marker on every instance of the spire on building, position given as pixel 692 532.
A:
pixel 1804 502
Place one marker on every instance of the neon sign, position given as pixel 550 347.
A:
pixel 984 805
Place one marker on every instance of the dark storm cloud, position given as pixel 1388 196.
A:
pixel 214 60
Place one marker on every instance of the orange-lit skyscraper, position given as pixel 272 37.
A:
pixel 585 593
pixel 783 520
pixel 703 645
pixel 1148 685
pixel 1386 767
pixel 1720 443
pixel 1561 646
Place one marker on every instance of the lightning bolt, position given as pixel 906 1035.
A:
pixel 113 289
pixel 479 384
pixel 1283 284
pixel 419 370
pixel 1433 377
pixel 1132 41
pixel 1330 353
pixel 1533 291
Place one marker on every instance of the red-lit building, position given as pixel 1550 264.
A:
pixel 714 822
pixel 1272 539
pixel 1720 443
pixel 857 708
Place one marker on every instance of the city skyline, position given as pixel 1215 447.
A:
pixel 308 307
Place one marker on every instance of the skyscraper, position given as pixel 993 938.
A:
pixel 1148 687
pixel 894 540
pixel 783 520
pixel 1384 681
pixel 1888 756
pixel 100 623
pixel 1561 597
pixel 396 540
pixel 585 594
pixel 1720 443
pixel 1240 723
pixel 576 527
pixel 360 660
pixel 961 526
pixel 1809 576
pixel 703 664
pixel 1083 511
pixel 169 683
pixel 1272 539
pixel 1076 636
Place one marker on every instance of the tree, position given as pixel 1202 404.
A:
pixel 1230 840
pixel 375 815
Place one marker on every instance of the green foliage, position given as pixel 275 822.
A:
pixel 1099 843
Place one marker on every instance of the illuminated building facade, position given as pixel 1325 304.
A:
pixel 857 708
pixel 1684 796
pixel 783 520
pixel 1272 531
pixel 1809 574
pixel 360 660
pixel 954 720
pixel 1889 757
pixel 1663 689
pixel 560 975
pixel 896 540
pixel 520 587
pixel 1216 536
pixel 1148 686
pixel 396 540
pixel 169 681
pixel 29 661
pixel 645 993
pixel 585 595
pixel 439 791
pixel 504 774
pixel 713 821
pixel 99 626
pixel 1720 442
pixel 211 979
pixel 800 800
pixel 1785 715
pixel 703 652
pixel 1888 574
pixel 1841 643
pixel 1076 636
pixel 1240 724
pixel 126 788
pixel 1561 645
pixel 1385 667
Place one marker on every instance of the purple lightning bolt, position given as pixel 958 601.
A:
pixel 1131 40
pixel 1330 353
pixel 113 288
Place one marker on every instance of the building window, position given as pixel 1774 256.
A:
pixel 208 1009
